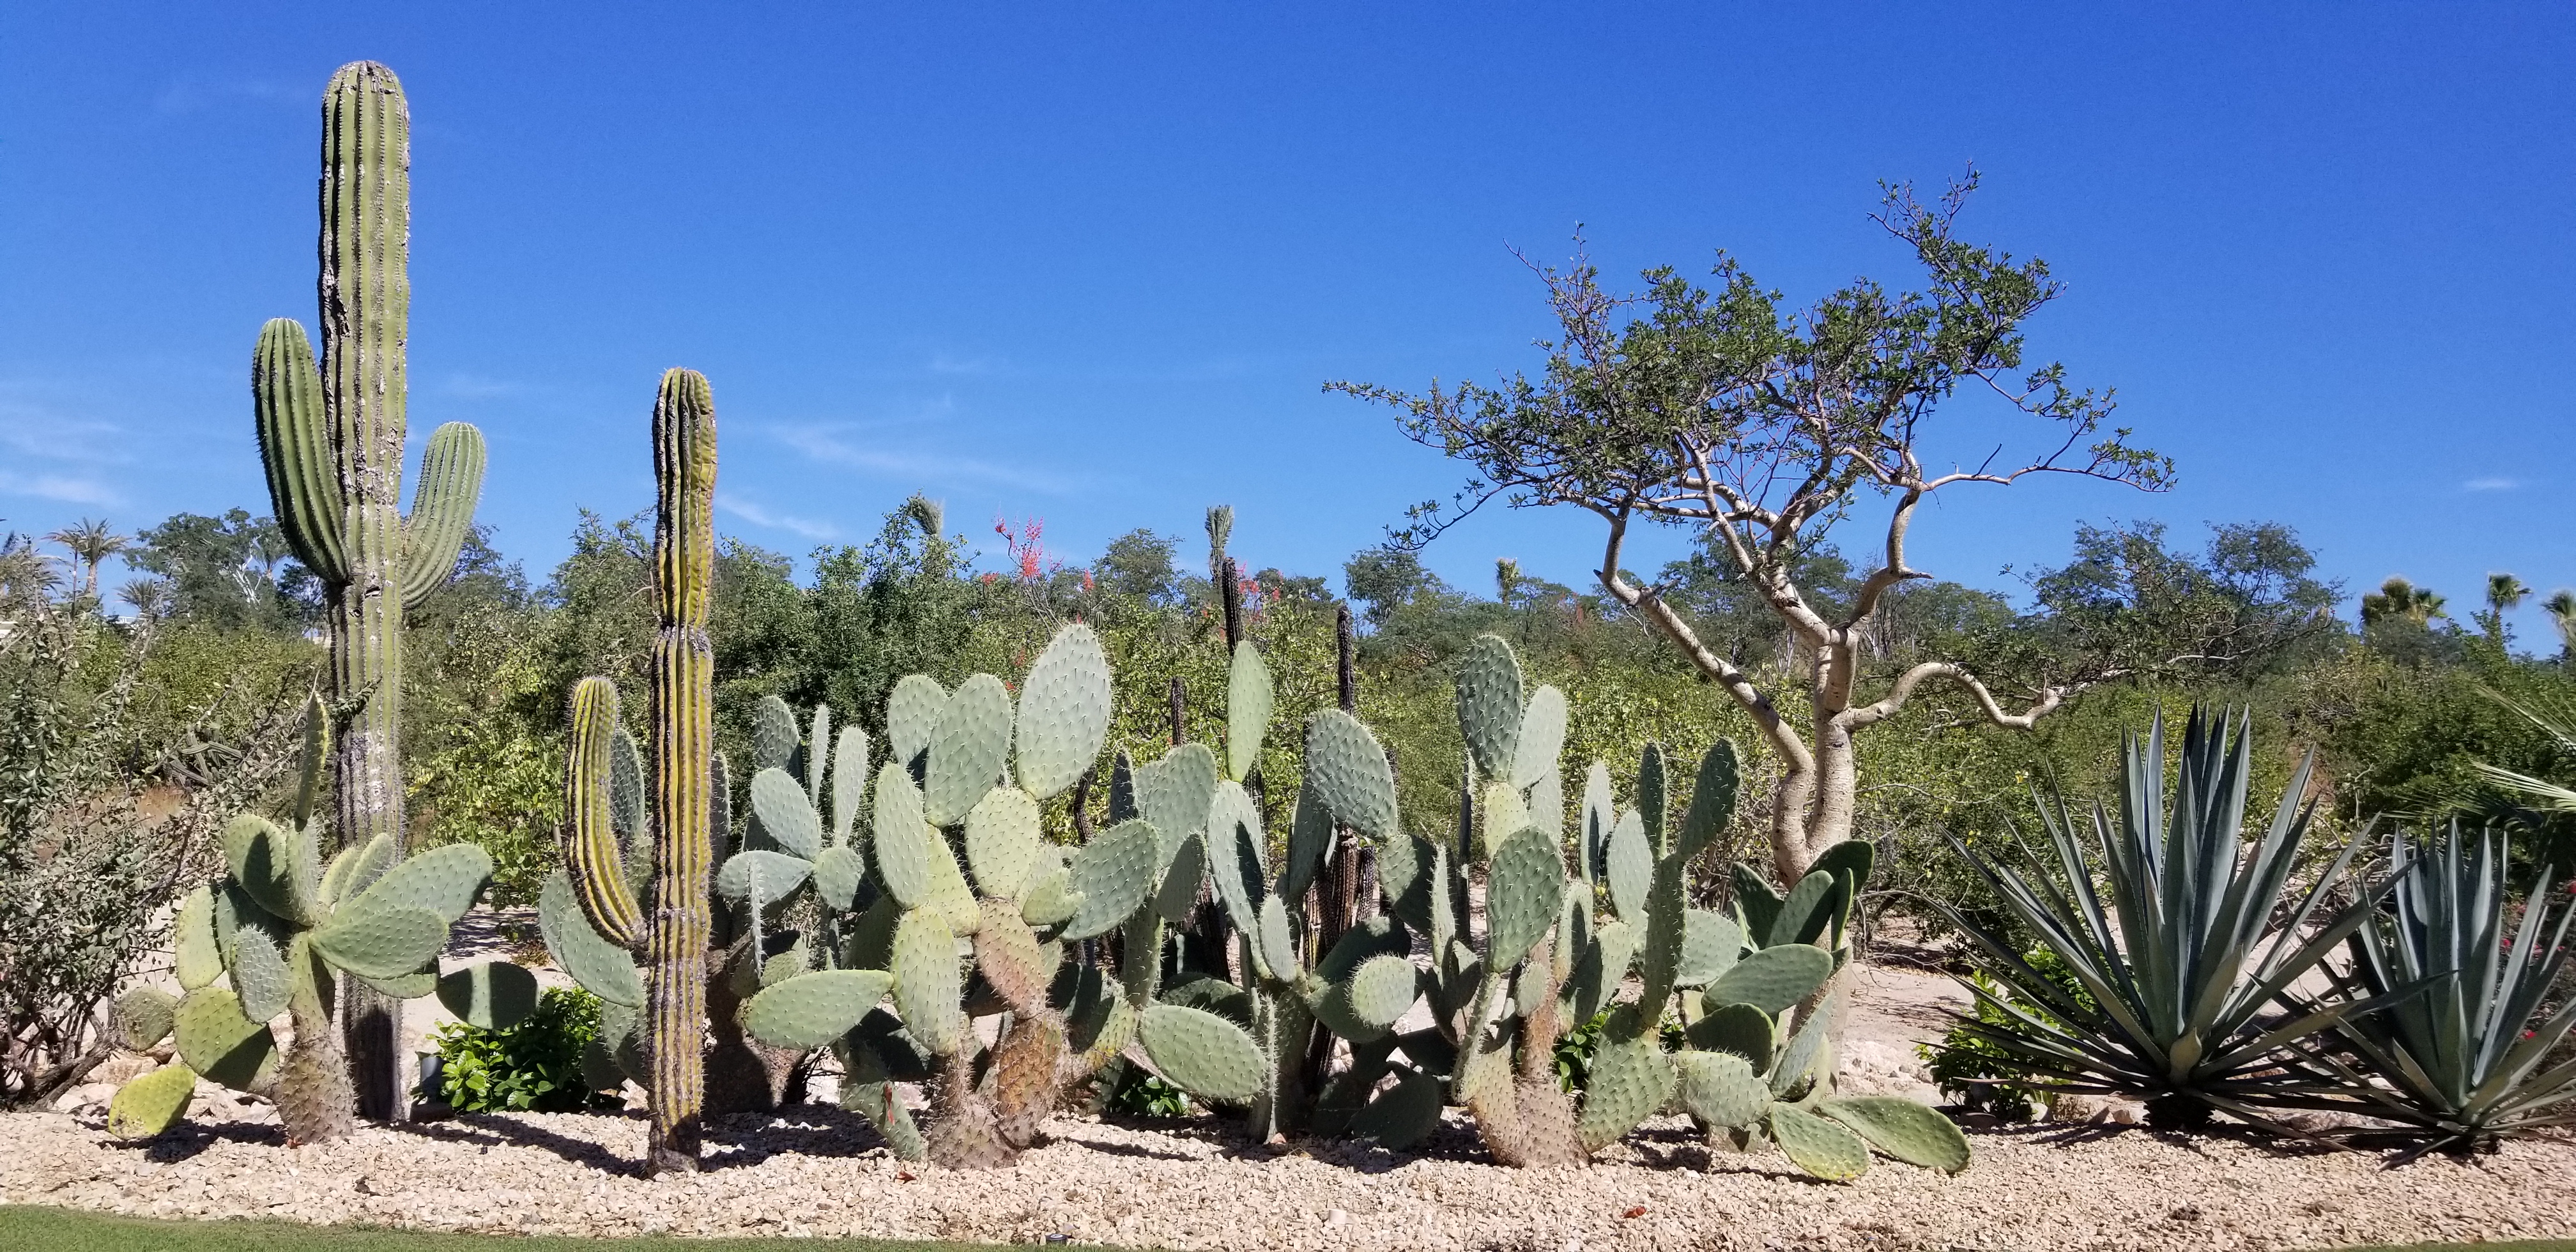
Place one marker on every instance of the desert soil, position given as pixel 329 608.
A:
pixel 2094 1184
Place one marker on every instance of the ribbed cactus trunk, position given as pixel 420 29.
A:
pixel 366 309
pixel 684 467
pixel 331 439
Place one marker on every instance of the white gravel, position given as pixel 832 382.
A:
pixel 1194 1186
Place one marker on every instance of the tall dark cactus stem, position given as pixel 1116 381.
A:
pixel 684 467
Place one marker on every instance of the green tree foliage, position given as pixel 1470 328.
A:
pixel 233 572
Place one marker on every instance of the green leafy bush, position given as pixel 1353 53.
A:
pixel 1980 1076
pixel 1141 1094
pixel 533 1067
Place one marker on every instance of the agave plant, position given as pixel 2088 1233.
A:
pixel 2463 1059
pixel 2186 971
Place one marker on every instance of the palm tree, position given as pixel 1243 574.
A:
pixel 149 596
pixel 2398 598
pixel 25 571
pixel 2561 607
pixel 90 543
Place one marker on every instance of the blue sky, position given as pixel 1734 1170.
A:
pixel 1092 263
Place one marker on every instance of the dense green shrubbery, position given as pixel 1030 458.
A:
pixel 532 1067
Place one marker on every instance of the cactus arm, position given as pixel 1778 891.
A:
pixel 591 852
pixel 684 465
pixel 295 447
pixel 442 509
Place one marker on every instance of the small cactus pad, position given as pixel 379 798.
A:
pixel 1820 1147
pixel 1052 901
pixel 1110 877
pixel 1401 1115
pixel 912 714
pixel 195 956
pixel 786 813
pixel 811 1010
pixel 1489 705
pixel 1631 1078
pixel 809 756
pixel 144 1016
pixel 1741 1029
pixel 442 880
pixel 837 874
pixel 215 1040
pixel 1541 739
pixel 1598 817
pixel 1652 795
pixel 849 781
pixel 1856 857
pixel 1712 802
pixel 602 968
pixel 1773 979
pixel 1002 841
pixel 1720 1088
pixel 1310 836
pixel 1629 865
pixel 1234 844
pixel 1811 910
pixel 260 975
pixel 1173 793
pixel 1347 767
pixel 968 749
pixel 491 995
pixel 151 1104
pixel 1178 892
pixel 1903 1129
pixel 1711 945
pixel 1064 712
pixel 1806 1048
pixel 1009 956
pixel 275 866
pixel 1522 892
pixel 1274 944
pixel 1202 1053
pixel 926 982
pixel 774 735
pixel 903 837
pixel 762 875
pixel 388 941
pixel 1382 988
pixel 1248 701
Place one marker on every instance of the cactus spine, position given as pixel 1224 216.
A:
pixel 684 554
pixel 332 441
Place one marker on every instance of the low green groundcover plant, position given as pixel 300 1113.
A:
pixel 1976 1074
pixel 532 1067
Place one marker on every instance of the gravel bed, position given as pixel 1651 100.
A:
pixel 1193 1186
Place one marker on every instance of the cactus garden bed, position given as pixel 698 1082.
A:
pixel 1192 1186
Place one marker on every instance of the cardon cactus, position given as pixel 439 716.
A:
pixel 608 879
pixel 969 770
pixel 1496 1009
pixel 331 437
pixel 274 930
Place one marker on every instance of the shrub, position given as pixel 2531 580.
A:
pixel 533 1067
pixel 1976 1074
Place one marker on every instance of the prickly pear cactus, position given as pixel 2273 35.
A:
pixel 274 932
pixel 953 904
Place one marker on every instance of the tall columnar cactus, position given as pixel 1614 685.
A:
pixel 684 557
pixel 276 929
pixel 331 438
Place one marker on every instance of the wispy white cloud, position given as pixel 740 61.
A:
pixel 189 94
pixel 951 363
pixel 758 516
pixel 62 488
pixel 917 467
pixel 2491 484
pixel 477 387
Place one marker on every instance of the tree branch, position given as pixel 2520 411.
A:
pixel 1866 715
pixel 1650 605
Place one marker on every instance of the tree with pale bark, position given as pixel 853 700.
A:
pixel 1718 410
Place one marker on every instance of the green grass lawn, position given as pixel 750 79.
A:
pixel 29 1229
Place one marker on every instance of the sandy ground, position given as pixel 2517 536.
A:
pixel 1195 1184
